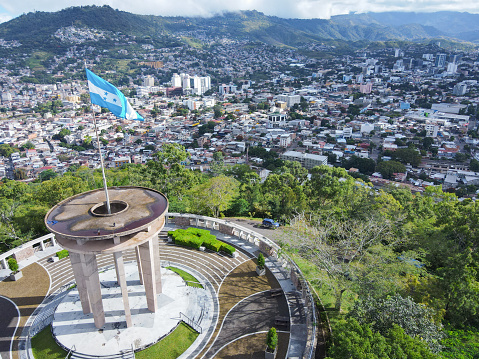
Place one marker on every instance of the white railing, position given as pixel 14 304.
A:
pixel 27 249
pixel 272 249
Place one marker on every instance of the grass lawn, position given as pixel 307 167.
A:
pixel 45 347
pixel 172 346
pixel 187 277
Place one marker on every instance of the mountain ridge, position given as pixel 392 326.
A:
pixel 37 28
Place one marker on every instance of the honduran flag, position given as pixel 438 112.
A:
pixel 104 94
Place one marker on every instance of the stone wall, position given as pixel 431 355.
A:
pixel 225 229
pixel 23 254
pixel 182 221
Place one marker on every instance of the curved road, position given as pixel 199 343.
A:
pixel 9 318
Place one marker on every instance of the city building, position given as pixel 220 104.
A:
pixel 307 160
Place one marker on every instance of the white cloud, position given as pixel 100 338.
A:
pixel 281 8
pixel 5 17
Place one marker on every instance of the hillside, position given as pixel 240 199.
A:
pixel 36 30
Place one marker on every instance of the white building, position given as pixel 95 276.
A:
pixel 290 100
pixel 285 140
pixel 307 160
pixel 148 81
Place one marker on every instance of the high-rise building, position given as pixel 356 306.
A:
pixel 451 68
pixel 148 81
pixel 459 89
pixel 191 84
pixel 440 60
pixel 176 80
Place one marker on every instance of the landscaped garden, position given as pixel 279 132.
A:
pixel 197 238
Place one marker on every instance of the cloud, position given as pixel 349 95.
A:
pixel 5 17
pixel 281 8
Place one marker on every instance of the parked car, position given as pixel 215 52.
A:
pixel 269 223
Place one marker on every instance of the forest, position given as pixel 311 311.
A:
pixel 396 272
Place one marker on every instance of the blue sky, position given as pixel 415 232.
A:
pixel 282 8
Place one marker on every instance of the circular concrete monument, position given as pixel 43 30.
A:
pixel 83 226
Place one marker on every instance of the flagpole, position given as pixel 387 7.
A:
pixel 102 167
pixel 101 159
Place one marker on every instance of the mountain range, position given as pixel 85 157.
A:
pixel 36 29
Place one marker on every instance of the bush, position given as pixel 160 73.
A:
pixel 272 339
pixel 261 260
pixel 196 237
pixel 228 249
pixel 62 254
pixel 13 265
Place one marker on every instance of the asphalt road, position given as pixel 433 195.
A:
pixel 256 226
pixel 8 323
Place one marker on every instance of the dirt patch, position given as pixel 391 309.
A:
pixel 239 284
pixel 27 293
pixel 252 347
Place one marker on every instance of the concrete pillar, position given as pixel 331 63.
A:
pixel 197 222
pixel 156 258
pixel 149 280
pixel 92 278
pixel 53 241
pixel 42 245
pixel 75 260
pixel 4 263
pixel 120 266
pixel 116 269
pixel 138 262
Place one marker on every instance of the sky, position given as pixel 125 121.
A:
pixel 304 9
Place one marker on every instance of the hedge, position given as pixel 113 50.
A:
pixel 62 254
pixel 196 237
pixel 228 249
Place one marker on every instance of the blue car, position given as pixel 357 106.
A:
pixel 269 223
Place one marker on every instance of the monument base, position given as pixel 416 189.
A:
pixel 73 328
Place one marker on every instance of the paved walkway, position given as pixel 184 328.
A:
pixel 254 314
pixel 27 293
pixel 9 318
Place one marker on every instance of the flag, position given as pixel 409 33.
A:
pixel 104 94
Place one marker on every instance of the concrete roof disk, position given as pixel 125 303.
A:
pixel 84 216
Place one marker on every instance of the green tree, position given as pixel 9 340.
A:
pixel 407 155
pixel 388 168
pixel 215 195
pixel 28 146
pixel 343 250
pixel 57 189
pixel 47 175
pixel 6 150
pixel 474 165
pixel 461 288
pixel 353 340
pixel 417 320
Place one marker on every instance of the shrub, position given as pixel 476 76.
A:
pixel 62 254
pixel 13 265
pixel 261 260
pixel 228 249
pixel 211 243
pixel 196 237
pixel 272 339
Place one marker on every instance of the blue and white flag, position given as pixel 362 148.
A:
pixel 104 94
